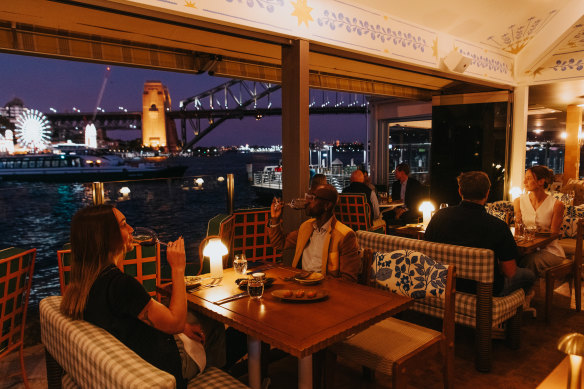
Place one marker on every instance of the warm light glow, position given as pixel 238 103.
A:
pixel 538 131
pixel 515 192
pixel 426 208
pixel 220 179
pixel 33 130
pixel 574 381
pixel 199 181
pixel 91 136
pixel 215 250
pixel 564 135
pixel 125 191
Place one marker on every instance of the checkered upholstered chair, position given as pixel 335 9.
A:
pixel 353 210
pixel 142 263
pixel 392 346
pixel 16 269
pixel 481 311
pixel 81 355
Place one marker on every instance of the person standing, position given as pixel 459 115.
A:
pixel 469 224
pixel 540 209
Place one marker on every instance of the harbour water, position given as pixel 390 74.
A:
pixel 39 214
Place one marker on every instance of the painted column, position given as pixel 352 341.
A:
pixel 295 137
pixel 518 138
pixel 573 130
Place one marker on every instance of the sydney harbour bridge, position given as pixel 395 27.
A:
pixel 200 114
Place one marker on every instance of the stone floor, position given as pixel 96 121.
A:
pixel 516 369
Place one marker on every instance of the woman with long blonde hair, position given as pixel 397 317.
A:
pixel 103 295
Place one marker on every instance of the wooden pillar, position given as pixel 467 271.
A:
pixel 518 138
pixel 295 136
pixel 572 155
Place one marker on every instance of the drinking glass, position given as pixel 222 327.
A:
pixel 255 286
pixel 530 233
pixel 519 230
pixel 299 203
pixel 145 236
pixel 443 205
pixel 240 264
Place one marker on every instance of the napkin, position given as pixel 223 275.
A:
pixel 195 350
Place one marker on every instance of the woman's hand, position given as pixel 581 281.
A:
pixel 276 209
pixel 195 332
pixel 175 254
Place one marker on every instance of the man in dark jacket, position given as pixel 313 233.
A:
pixel 410 191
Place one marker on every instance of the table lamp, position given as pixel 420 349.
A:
pixel 426 208
pixel 573 345
pixel 515 192
pixel 215 250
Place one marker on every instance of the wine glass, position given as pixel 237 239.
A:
pixel 145 236
pixel 299 203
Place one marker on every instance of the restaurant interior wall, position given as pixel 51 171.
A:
pixel 467 137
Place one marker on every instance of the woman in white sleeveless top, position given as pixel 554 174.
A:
pixel 544 211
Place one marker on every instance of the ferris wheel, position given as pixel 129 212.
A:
pixel 33 130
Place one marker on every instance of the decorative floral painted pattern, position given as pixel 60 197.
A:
pixel 518 35
pixel 375 31
pixel 409 273
pixel 269 5
pixel 570 64
pixel 484 62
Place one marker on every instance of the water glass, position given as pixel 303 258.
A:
pixel 240 264
pixel 519 230
pixel 255 286
pixel 443 205
pixel 530 233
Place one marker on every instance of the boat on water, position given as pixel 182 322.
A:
pixel 268 182
pixel 80 168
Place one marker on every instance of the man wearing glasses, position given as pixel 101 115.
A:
pixel 321 244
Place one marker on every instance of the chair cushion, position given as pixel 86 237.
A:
pixel 409 273
pixel 466 304
pixel 380 345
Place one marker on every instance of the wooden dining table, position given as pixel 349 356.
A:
pixel 541 240
pixel 299 328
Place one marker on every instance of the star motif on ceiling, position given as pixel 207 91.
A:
pixel 190 4
pixel 302 12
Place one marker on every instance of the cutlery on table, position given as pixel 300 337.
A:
pixel 231 298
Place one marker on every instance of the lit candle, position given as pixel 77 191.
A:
pixel 215 250
pixel 426 208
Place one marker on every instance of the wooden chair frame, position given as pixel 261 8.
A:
pixel 443 345
pixel 353 210
pixel 573 268
pixel 63 259
pixel 16 272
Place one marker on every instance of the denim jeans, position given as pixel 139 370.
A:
pixel 523 278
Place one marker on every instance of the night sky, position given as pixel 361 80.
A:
pixel 43 83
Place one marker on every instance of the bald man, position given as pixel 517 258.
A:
pixel 358 185
pixel 322 244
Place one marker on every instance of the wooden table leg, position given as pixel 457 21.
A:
pixel 254 347
pixel 305 372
